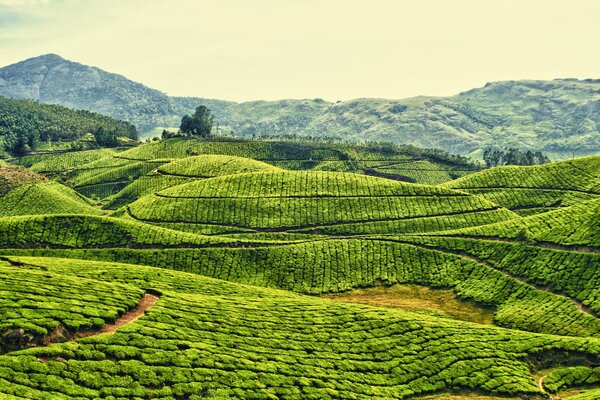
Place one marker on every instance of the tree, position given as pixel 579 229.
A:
pixel 106 137
pixel 513 156
pixel 200 123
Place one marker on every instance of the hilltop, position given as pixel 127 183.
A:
pixel 559 117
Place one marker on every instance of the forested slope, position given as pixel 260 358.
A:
pixel 558 117
pixel 27 125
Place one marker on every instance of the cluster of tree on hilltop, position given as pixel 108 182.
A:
pixel 200 123
pixel 25 124
pixel 512 156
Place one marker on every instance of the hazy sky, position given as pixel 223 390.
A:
pixel 270 49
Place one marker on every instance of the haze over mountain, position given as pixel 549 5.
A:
pixel 560 117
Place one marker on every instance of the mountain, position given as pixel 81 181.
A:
pixel 560 117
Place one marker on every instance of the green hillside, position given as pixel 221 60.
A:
pixel 540 188
pixel 27 125
pixel 185 170
pixel 281 345
pixel 108 175
pixel 330 202
pixel 207 269
pixel 23 192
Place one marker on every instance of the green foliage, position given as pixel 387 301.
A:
pixel 211 216
pixel 296 200
pixel 495 158
pixel 199 124
pixel 251 342
pixel 26 124
pixel 567 377
pixel 539 187
pixel 44 198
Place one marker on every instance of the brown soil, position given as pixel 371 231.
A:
pixel 418 298
pixel 147 302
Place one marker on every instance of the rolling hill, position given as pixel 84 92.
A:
pixel 529 190
pixel 121 177
pixel 281 346
pixel 559 117
pixel 214 271
pixel 25 193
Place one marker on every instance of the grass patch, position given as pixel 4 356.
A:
pixel 441 302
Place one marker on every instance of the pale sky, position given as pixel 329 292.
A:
pixel 332 49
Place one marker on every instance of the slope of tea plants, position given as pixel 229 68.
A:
pixel 209 338
pixel 209 166
pixel 23 192
pixel 83 231
pixel 105 177
pixel 296 200
pixel 196 220
pixel 577 225
pixel 44 198
pixel 62 163
pixel 537 188
pixel 185 170
pixel 330 266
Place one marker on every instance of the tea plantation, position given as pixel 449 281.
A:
pixel 239 240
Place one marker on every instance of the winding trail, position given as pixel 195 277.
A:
pixel 539 382
pixel 148 301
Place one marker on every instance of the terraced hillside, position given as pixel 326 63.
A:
pixel 280 346
pixel 313 202
pixel 145 166
pixel 206 280
pixel 23 192
pixel 529 190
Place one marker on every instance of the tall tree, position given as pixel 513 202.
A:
pixel 200 123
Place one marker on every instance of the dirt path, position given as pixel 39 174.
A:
pixel 147 302
pixel 539 382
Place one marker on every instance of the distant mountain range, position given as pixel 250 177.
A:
pixel 560 117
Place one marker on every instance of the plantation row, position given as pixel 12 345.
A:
pixel 571 226
pixel 288 213
pixel 529 199
pixel 303 183
pixel 209 166
pixel 414 224
pixel 101 191
pixel 562 378
pixel 330 266
pixel 258 343
pixel 183 171
pixel 127 172
pixel 63 162
pixel 580 174
pixel 80 231
pixel 182 147
pixel 38 301
pixel 145 185
pixel 572 273
pixel 203 229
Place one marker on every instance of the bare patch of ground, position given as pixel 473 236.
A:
pixel 418 298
